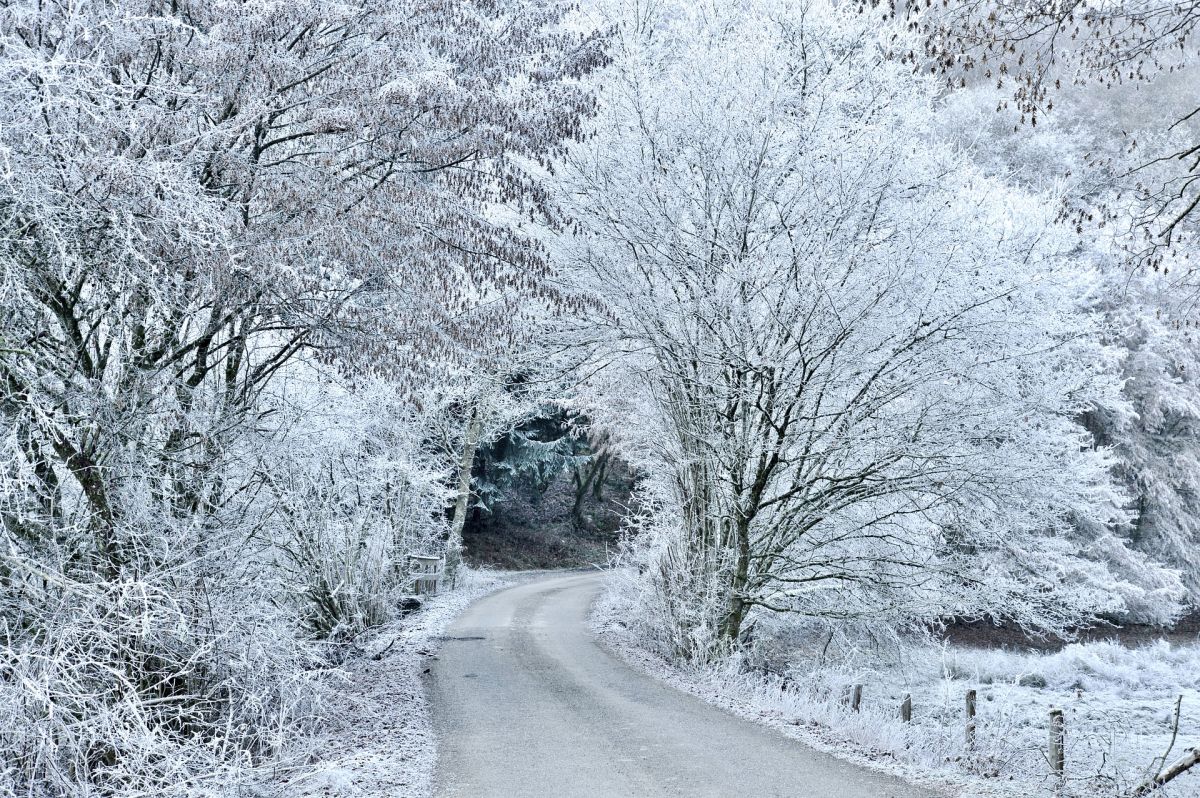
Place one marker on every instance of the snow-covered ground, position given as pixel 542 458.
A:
pixel 378 740
pixel 1118 703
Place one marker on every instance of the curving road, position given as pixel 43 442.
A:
pixel 527 704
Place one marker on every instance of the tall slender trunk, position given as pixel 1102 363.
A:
pixel 731 625
pixel 454 545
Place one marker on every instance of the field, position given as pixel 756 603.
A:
pixel 1118 703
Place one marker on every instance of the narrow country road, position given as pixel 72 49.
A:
pixel 528 705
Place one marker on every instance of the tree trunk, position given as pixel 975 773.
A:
pixel 731 626
pixel 579 477
pixel 454 545
pixel 601 473
pixel 589 479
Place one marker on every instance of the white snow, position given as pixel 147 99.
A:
pixel 378 740
pixel 1118 701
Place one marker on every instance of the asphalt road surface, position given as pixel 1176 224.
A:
pixel 527 704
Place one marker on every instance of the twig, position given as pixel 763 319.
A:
pixel 1160 762
pixel 1182 766
pixel 378 655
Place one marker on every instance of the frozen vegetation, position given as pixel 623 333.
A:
pixel 379 740
pixel 1119 704
pixel 853 321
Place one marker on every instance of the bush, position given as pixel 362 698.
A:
pixel 165 685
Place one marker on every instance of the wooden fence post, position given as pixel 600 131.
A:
pixel 906 708
pixel 1058 733
pixel 970 719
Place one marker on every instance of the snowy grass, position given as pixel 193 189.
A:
pixel 378 740
pixel 1118 703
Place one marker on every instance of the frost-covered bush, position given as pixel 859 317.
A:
pixel 357 490
pixel 201 653
pixel 172 682
pixel 1102 665
pixel 662 588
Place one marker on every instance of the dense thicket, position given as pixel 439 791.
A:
pixel 217 218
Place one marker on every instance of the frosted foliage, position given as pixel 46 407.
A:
pixel 337 160
pixel 1155 435
pixel 355 490
pixel 1084 148
pixel 859 360
pixel 250 253
pixel 1035 59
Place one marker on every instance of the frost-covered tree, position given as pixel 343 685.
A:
pixel 192 196
pixel 355 486
pixel 1036 55
pixel 1146 315
pixel 1154 437
pixel 855 361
